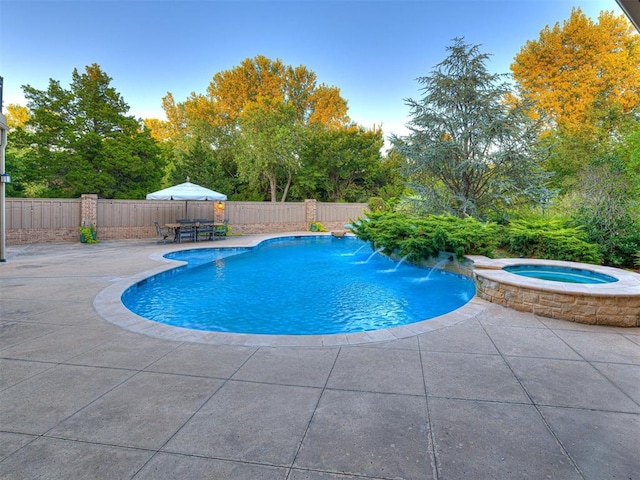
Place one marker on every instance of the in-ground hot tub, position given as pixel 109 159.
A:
pixel 613 301
pixel 560 274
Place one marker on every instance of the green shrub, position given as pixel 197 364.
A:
pixel 317 227
pixel 424 237
pixel 88 234
pixel 550 238
pixel 618 239
pixel 376 204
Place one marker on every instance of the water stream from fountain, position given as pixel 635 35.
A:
pixel 374 254
pixel 438 266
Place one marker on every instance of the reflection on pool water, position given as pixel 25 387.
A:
pixel 296 286
pixel 560 274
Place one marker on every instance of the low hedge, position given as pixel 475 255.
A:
pixel 424 237
pixel 553 239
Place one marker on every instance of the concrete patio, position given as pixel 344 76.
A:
pixel 488 394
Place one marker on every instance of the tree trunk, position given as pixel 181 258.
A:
pixel 273 187
pixel 286 188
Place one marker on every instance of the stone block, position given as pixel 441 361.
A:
pixel 547 301
pixel 608 310
pixel 565 299
pixel 617 321
pixel 586 310
pixel 586 319
pixel 633 302
pixel 511 296
pixel 497 294
pixel 545 311
pixel 520 307
pixel 562 314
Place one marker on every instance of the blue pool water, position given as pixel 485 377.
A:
pixel 296 286
pixel 560 274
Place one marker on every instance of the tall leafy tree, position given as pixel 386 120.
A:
pixel 260 78
pixel 269 147
pixel 85 142
pixel 212 167
pixel 238 109
pixel 341 164
pixel 578 71
pixel 470 150
pixel 584 77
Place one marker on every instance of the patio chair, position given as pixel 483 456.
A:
pixel 164 232
pixel 204 231
pixel 187 230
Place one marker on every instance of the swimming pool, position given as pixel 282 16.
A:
pixel 295 286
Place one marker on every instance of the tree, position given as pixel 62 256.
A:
pixel 85 142
pixel 577 72
pixel 584 77
pixel 228 119
pixel 340 164
pixel 257 79
pixel 470 150
pixel 269 146
pixel 629 152
pixel 214 168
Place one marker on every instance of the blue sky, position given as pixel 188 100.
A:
pixel 372 50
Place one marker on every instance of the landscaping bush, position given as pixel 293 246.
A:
pixel 618 239
pixel 424 237
pixel 554 239
pixel 609 210
pixel 421 237
pixel 317 227
pixel 376 204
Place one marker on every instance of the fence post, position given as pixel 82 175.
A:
pixel 89 209
pixel 219 214
pixel 310 208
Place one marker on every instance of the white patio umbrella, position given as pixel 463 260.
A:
pixel 186 191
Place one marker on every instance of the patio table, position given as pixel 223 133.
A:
pixel 198 227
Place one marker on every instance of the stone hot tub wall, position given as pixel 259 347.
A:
pixel 616 303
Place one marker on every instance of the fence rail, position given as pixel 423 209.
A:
pixel 53 220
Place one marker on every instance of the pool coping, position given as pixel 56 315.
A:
pixel 109 306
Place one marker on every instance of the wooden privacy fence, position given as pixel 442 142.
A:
pixel 44 220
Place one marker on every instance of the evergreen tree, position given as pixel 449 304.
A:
pixel 472 146
pixel 81 141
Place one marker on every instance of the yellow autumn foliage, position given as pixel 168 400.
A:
pixel 260 81
pixel 581 67
pixel 159 129
pixel 17 115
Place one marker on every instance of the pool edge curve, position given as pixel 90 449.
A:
pixel 109 306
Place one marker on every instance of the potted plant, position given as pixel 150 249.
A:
pixel 317 227
pixel 88 234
